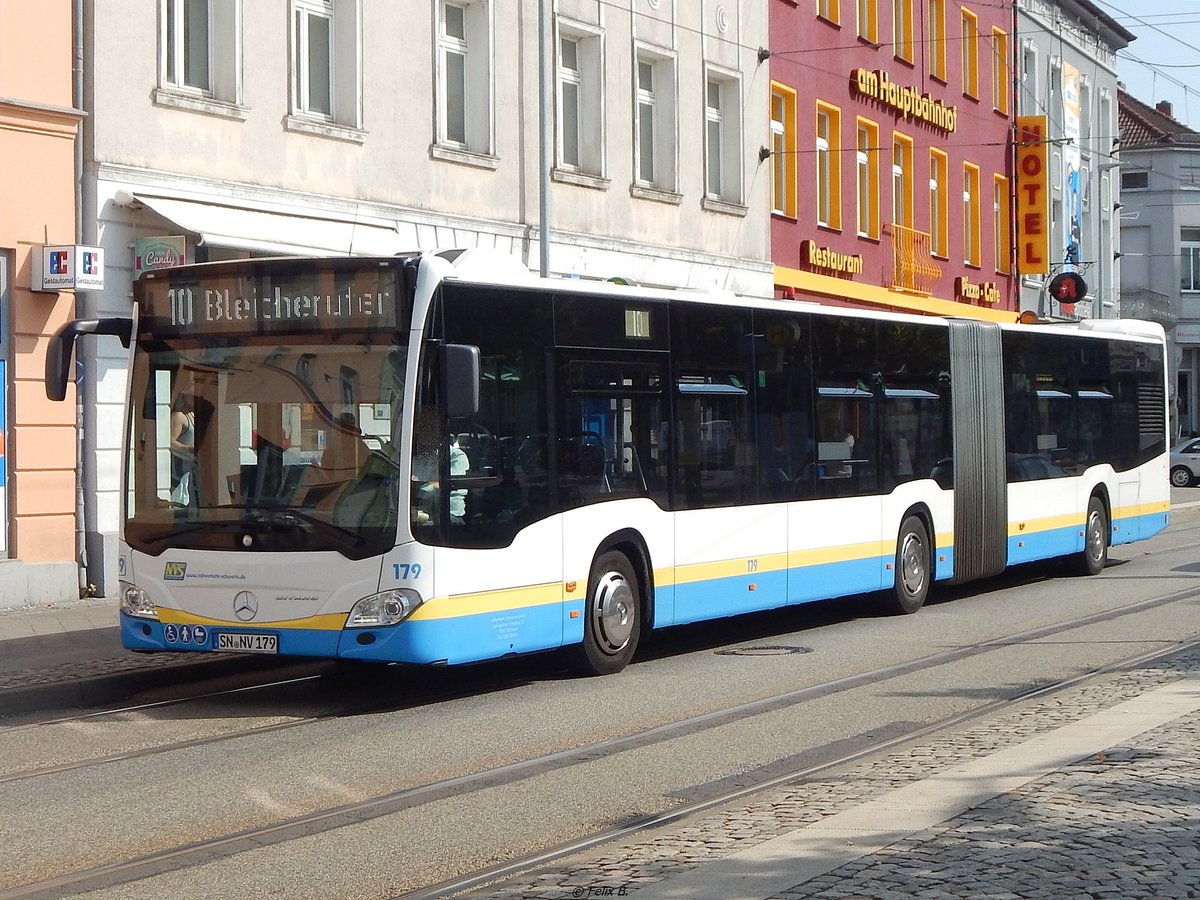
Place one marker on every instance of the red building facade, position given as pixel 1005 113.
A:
pixel 891 154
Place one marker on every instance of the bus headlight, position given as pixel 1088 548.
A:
pixel 385 608
pixel 136 602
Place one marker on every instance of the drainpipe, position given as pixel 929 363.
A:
pixel 80 500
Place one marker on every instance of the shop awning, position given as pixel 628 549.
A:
pixel 271 231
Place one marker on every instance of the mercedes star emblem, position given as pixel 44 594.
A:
pixel 245 606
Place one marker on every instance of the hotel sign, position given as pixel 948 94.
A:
pixel 830 260
pixel 909 102
pixel 1033 197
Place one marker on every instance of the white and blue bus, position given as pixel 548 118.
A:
pixel 431 459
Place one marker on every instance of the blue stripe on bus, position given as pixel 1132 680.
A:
pixel 146 634
pixel 461 639
pixel 472 638
pixel 1068 541
pixel 715 598
pixel 836 579
pixel 1136 528
pixel 1023 548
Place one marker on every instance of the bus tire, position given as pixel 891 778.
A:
pixel 914 569
pixel 1095 540
pixel 612 621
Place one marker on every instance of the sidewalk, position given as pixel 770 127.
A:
pixel 70 654
pixel 1092 792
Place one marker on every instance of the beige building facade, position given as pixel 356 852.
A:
pixel 230 128
pixel 38 127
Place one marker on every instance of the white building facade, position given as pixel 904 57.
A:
pixel 1066 71
pixel 1160 241
pixel 228 128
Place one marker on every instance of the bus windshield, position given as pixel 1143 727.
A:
pixel 270 434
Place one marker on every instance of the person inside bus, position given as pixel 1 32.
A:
pixel 427 489
pixel 183 442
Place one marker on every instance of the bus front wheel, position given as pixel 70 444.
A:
pixel 612 617
pixel 913 568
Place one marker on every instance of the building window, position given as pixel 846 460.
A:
pixel 314 58
pixel 1189 254
pixel 464 98
pixel 902 180
pixel 971 224
pixel 199 50
pixel 1001 223
pixel 902 29
pixel 1029 76
pixel 939 204
pixel 654 120
pixel 783 150
pixel 1000 80
pixel 452 38
pixel 580 81
pixel 1135 181
pixel 326 54
pixel 722 137
pixel 937 39
pixel 868 20
pixel 867 164
pixel 187 29
pixel 970 53
pixel 829 166
pixel 830 10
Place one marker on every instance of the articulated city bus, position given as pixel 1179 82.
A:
pixel 435 459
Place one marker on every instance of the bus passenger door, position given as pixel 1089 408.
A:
pixel 731 533
pixel 606 447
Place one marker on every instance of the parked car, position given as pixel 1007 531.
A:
pixel 1185 463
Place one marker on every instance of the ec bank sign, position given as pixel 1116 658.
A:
pixel 69 267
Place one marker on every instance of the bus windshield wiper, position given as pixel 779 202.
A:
pixel 188 528
pixel 294 517
pixel 258 517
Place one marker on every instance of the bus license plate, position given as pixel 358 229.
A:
pixel 242 642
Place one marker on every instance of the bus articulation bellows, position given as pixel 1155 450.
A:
pixel 436 459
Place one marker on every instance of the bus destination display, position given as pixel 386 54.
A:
pixel 322 302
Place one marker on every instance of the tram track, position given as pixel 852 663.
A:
pixel 510 773
pixel 420 698
pixel 548 856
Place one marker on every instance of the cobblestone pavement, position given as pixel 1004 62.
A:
pixel 1120 823
pixel 71 653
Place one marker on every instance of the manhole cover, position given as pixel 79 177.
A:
pixel 765 650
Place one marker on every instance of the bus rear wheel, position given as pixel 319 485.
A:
pixel 1095 540
pixel 913 569
pixel 612 617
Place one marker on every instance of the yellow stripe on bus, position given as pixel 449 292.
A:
pixel 1018 528
pixel 728 568
pixel 326 622
pixel 1142 509
pixel 844 553
pixel 489 601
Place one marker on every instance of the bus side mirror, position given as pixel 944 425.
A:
pixel 58 354
pixel 462 380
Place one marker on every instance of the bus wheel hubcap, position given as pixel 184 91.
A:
pixel 1095 536
pixel 612 612
pixel 912 564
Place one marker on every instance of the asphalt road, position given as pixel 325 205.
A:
pixel 799 687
